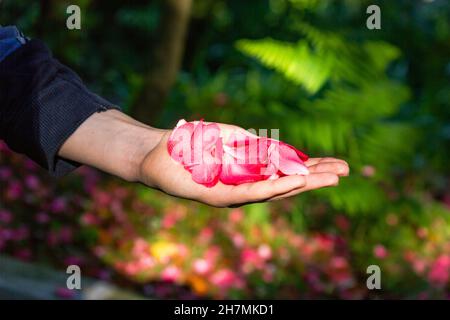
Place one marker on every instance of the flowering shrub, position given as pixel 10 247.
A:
pixel 173 248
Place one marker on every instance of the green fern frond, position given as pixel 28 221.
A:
pixel 381 54
pixel 323 134
pixel 323 125
pixel 365 104
pixel 296 62
pixel 322 57
pixel 322 40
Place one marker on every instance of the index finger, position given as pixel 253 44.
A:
pixel 314 161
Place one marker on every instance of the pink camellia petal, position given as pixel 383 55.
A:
pixel 234 174
pixel 245 158
pixel 286 159
pixel 198 147
pixel 207 147
pixel 245 149
pixel 302 156
pixel 179 144
pixel 233 156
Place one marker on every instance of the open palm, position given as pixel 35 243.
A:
pixel 160 171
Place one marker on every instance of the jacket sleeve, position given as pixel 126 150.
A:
pixel 42 102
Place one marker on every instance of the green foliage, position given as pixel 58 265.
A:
pixel 297 62
pixel 351 114
pixel 322 57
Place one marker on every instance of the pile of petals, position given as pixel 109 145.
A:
pixel 232 156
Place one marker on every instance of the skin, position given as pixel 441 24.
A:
pixel 117 144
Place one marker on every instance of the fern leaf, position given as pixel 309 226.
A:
pixel 297 62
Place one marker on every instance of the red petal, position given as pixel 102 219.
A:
pixel 206 147
pixel 286 159
pixel 179 141
pixel 234 173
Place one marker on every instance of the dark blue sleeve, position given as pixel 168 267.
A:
pixel 42 102
pixel 10 40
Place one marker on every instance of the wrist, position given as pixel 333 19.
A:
pixel 142 141
pixel 112 142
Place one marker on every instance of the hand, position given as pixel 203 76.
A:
pixel 115 143
pixel 159 170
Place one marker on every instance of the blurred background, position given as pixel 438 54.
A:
pixel 378 98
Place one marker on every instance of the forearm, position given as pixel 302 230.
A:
pixel 112 142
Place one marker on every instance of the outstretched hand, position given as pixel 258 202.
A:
pixel 117 144
pixel 160 171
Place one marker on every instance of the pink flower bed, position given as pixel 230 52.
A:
pixel 169 248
